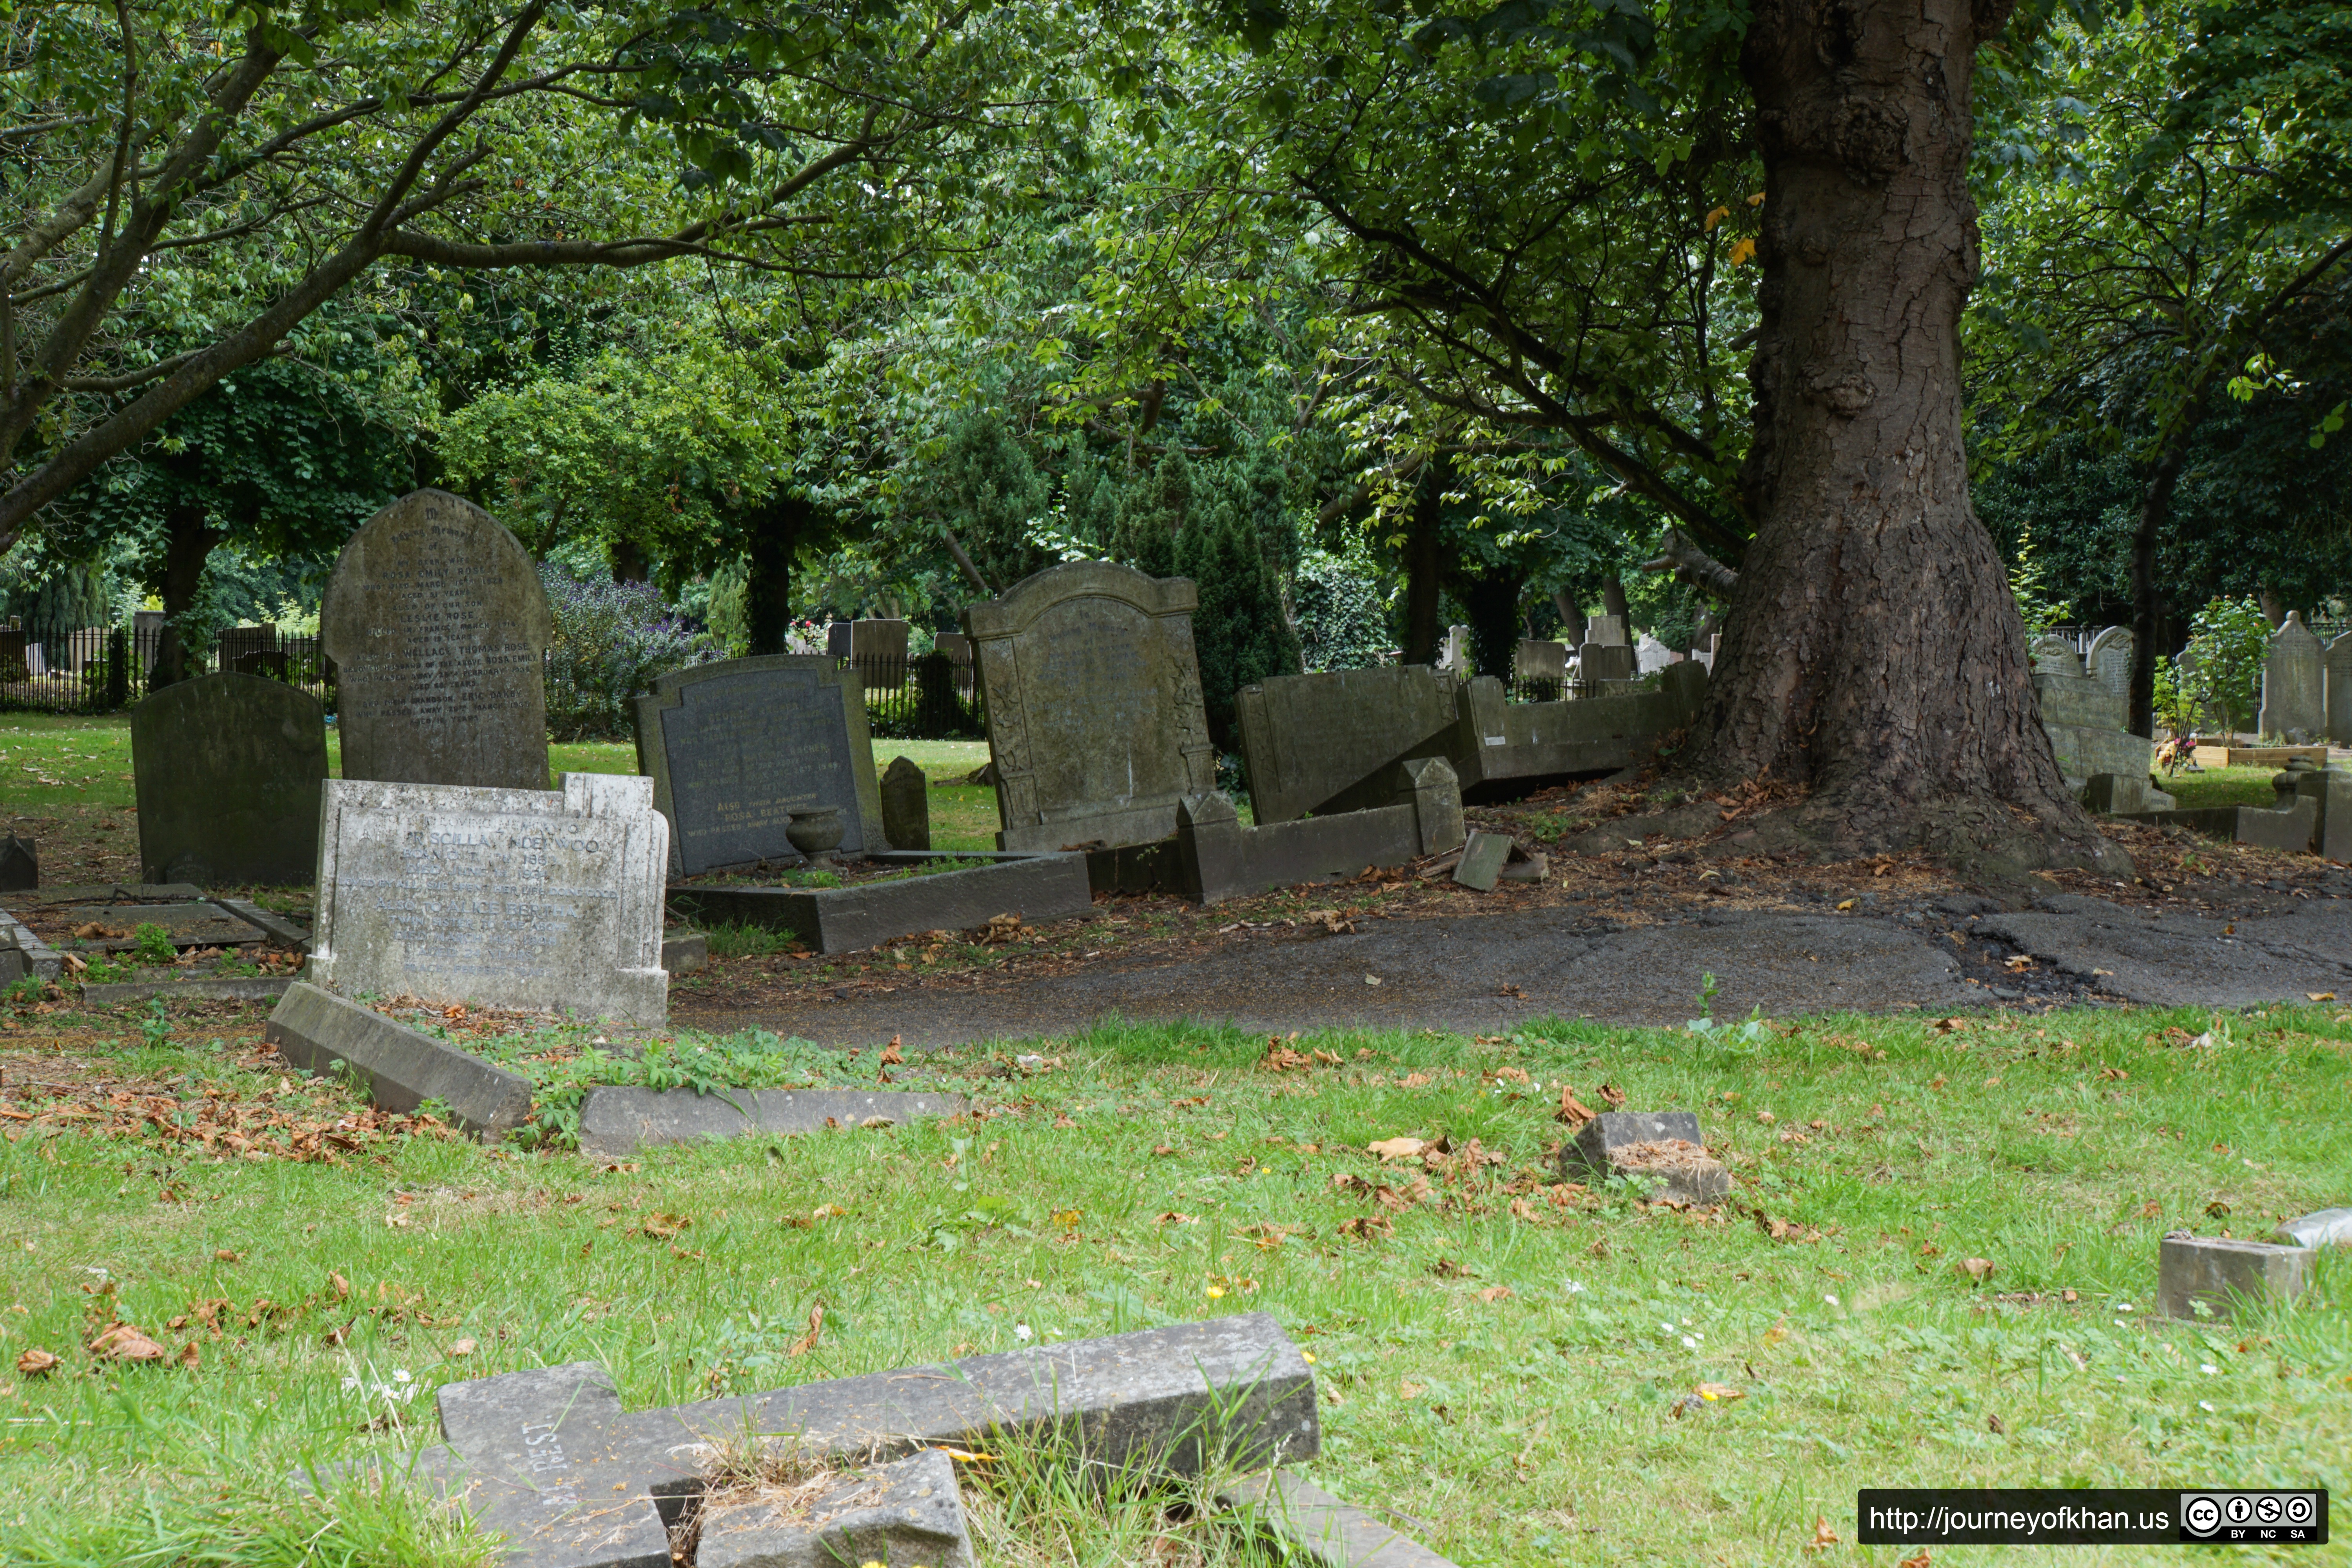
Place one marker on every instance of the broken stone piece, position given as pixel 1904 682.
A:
pixel 2328 1227
pixel 1482 862
pixel 2225 1274
pixel 1326 1532
pixel 908 1514
pixel 1664 1146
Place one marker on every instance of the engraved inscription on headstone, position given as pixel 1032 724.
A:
pixel 437 622
pixel 734 748
pixel 503 896
pixel 2294 680
pixel 1093 696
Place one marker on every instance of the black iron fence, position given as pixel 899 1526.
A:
pixel 933 698
pixel 99 669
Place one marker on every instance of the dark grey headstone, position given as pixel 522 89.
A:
pixel 437 624
pixel 615 1120
pixel 404 1069
pixel 908 1514
pixel 20 865
pixel 905 805
pixel 1605 661
pixel 2226 1276
pixel 1309 741
pixel 229 770
pixel 1664 1146
pixel 735 747
pixel 1093 694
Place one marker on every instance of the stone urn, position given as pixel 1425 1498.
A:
pixel 816 832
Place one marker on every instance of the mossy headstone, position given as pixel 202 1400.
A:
pixel 227 768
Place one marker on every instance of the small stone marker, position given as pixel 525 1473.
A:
pixel 20 865
pixel 2295 681
pixel 229 770
pixel 1481 860
pixel 437 621
pixel 908 1514
pixel 905 805
pixel 684 951
pixel 1093 694
pixel 2328 1227
pixel 547 1457
pixel 1662 1145
pixel 734 748
pixel 616 1120
pixel 404 1069
pixel 1328 1532
pixel 510 897
pixel 2224 1275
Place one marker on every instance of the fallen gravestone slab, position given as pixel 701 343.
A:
pixel 1214 858
pixel 2226 1276
pixel 2328 1227
pixel 1481 860
pixel 282 930
pixel 1309 743
pixel 1034 887
pixel 1328 1532
pixel 23 955
pixel 404 1069
pixel 203 987
pixel 1660 1145
pixel 908 1514
pixel 1501 748
pixel 549 1459
pixel 616 1120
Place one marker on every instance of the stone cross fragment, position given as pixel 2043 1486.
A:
pixel 908 1514
pixel 549 1458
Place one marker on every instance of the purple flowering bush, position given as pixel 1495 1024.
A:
pixel 611 640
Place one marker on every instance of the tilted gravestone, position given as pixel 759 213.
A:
pixel 549 1458
pixel 437 624
pixel 734 748
pixel 2295 680
pixel 507 898
pixel 228 769
pixel 2084 716
pixel 905 805
pixel 2340 689
pixel 1095 718
pixel 1311 742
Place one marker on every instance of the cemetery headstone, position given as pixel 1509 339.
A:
pixel 905 805
pixel 2223 1274
pixel 2054 655
pixel 619 1120
pixel 907 1514
pixel 2084 719
pixel 2109 663
pixel 877 648
pixel 147 631
pixel 1605 661
pixel 20 865
pixel 734 748
pixel 1539 660
pixel 939 711
pixel 436 622
pixel 2295 680
pixel 227 770
pixel 1651 655
pixel 1481 860
pixel 1315 742
pixel 2325 1227
pixel 1608 631
pixel 508 897
pixel 2338 681
pixel 403 1068
pixel 1096 725
pixel 1663 1147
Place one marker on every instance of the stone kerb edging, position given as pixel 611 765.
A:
pixel 316 1030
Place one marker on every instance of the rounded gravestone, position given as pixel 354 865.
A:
pixel 437 624
pixel 228 769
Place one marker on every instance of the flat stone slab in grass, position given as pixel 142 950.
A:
pixel 616 1120
pixel 403 1068
pixel 2328 1227
pixel 198 923
pixel 2224 1275
pixel 283 930
pixel 1046 887
pixel 202 987
pixel 1328 1532
pixel 2183 960
pixel 1664 1145
pixel 908 1514
pixel 549 1459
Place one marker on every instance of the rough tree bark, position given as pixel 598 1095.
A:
pixel 1873 651
pixel 1424 564
pixel 775 530
pixel 2147 594
pixel 188 541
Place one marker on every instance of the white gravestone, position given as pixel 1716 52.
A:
pixel 504 898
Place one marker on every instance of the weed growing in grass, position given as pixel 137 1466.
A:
pixel 155 943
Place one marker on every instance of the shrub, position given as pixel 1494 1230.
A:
pixel 611 640
pixel 1342 624
pixel 2228 642
pixel 1239 631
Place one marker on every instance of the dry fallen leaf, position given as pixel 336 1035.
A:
pixel 462 1349
pixel 1365 1228
pixel 1823 1536
pixel 189 1354
pixel 1494 1293
pixel 1572 1110
pixel 1719 1393
pixel 1976 1269
pixel 1918 1559
pixel 1613 1097
pixel 36 1363
pixel 807 1341
pixel 662 1226
pixel 2321 996
pixel 890 1056
pixel 342 1286
pixel 1399 1148
pixel 123 1342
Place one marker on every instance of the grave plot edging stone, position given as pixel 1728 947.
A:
pixel 1330 1533
pixel 208 988
pixel 1043 887
pixel 2225 1274
pixel 34 957
pixel 315 1030
pixel 618 1120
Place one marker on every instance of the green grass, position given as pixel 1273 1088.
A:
pixel 2221 786
pixel 1502 1363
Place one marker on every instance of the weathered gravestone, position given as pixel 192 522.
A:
pixel 1095 720
pixel 1312 743
pixel 505 898
pixel 905 805
pixel 2084 718
pixel 229 770
pixel 2295 682
pixel 549 1459
pixel 1541 663
pixel 1605 661
pixel 2338 681
pixel 437 623
pixel 2054 655
pixel 905 1514
pixel 2109 663
pixel 1608 631
pixel 2224 1275
pixel 734 748
pixel 20 865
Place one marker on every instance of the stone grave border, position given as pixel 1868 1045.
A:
pixel 1036 885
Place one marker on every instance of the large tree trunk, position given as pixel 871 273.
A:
pixel 776 531
pixel 2147 596
pixel 1871 649
pixel 1491 598
pixel 1424 564
pixel 188 542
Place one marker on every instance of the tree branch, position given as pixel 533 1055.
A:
pixel 1692 565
